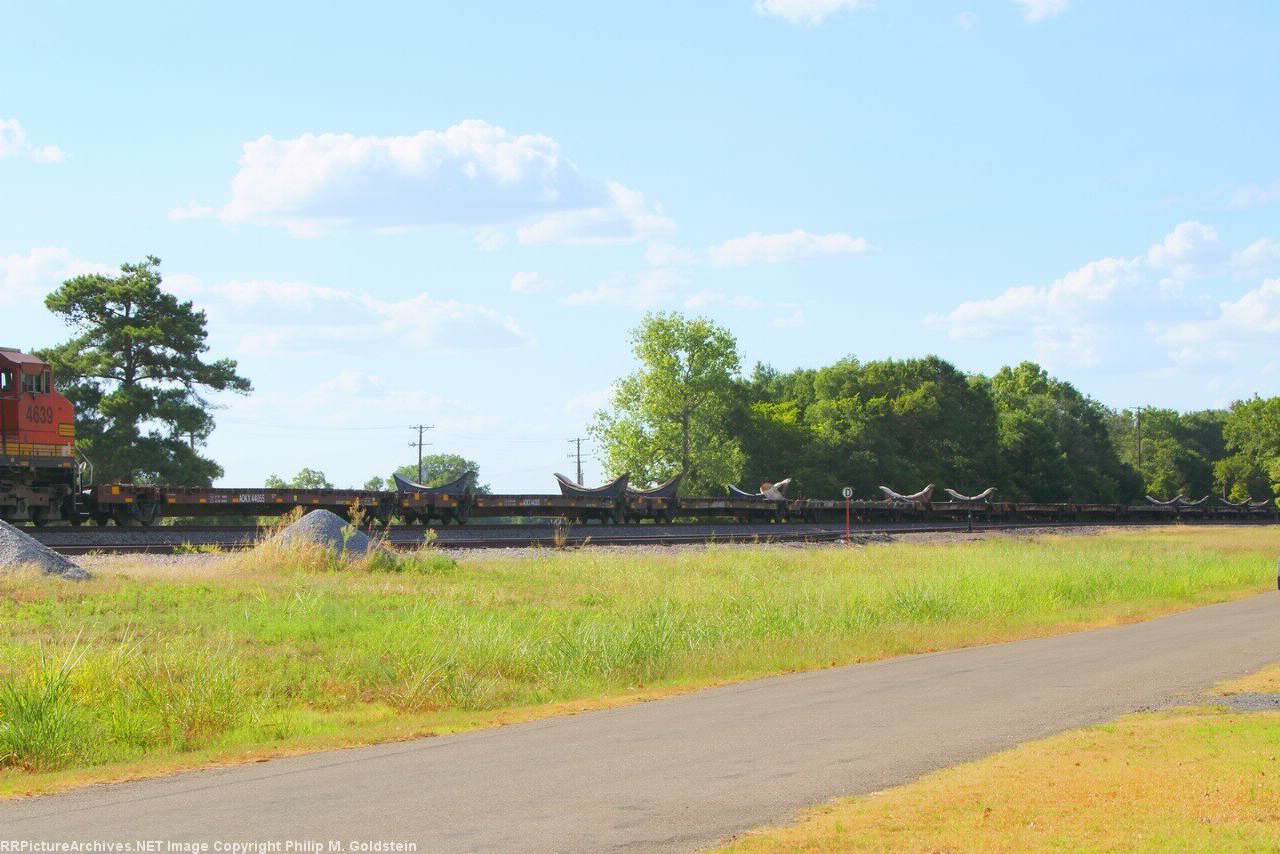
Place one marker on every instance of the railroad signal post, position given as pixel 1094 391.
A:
pixel 847 492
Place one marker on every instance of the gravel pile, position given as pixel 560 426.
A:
pixel 327 529
pixel 19 549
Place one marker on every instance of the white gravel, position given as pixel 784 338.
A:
pixel 18 549
pixel 327 529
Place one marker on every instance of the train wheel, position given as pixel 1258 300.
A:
pixel 39 517
pixel 462 514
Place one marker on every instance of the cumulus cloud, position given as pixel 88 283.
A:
pixel 268 316
pixel 808 12
pixel 1241 326
pixel 1040 10
pixel 1259 257
pixel 646 290
pixel 1191 250
pixel 624 218
pixel 757 248
pixel 14 144
pixel 1038 307
pixel 27 278
pixel 1124 304
pixel 473 173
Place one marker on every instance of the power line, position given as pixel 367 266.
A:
pixel 421 428
pixel 577 454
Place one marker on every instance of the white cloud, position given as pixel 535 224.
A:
pixel 646 290
pixel 626 218
pixel 14 143
pixel 28 278
pixel 1243 326
pixel 808 12
pixel 491 239
pixel 1191 250
pixel 757 248
pixel 1254 195
pixel 528 283
pixel 1039 10
pixel 191 210
pixel 1259 258
pixel 471 173
pixel 661 254
pixel 297 317
pixel 1093 284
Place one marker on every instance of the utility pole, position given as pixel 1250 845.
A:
pixel 421 428
pixel 1139 418
pixel 577 454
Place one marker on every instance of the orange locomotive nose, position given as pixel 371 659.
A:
pixel 37 441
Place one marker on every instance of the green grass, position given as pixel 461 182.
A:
pixel 287 649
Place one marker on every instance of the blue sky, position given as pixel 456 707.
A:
pixel 452 214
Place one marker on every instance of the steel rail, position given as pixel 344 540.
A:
pixel 542 536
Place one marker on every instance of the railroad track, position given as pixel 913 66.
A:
pixel 175 539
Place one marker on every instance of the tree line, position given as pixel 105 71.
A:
pixel 134 369
pixel 904 423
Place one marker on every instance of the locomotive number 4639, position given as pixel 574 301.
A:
pixel 40 414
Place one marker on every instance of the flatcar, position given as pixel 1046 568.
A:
pixel 42 479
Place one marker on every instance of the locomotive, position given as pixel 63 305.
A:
pixel 38 470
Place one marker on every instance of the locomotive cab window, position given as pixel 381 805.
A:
pixel 30 383
pixel 6 379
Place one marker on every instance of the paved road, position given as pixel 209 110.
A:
pixel 680 774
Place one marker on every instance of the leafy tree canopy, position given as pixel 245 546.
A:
pixel 307 478
pixel 135 374
pixel 1252 435
pixel 438 469
pixel 674 413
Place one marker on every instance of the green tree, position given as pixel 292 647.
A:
pixel 135 374
pixel 1053 443
pixel 903 423
pixel 375 484
pixel 440 469
pixel 673 415
pixel 307 478
pixel 1252 434
pixel 1179 450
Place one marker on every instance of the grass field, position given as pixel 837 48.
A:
pixel 154 667
pixel 1201 779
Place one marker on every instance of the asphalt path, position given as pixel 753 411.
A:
pixel 679 774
